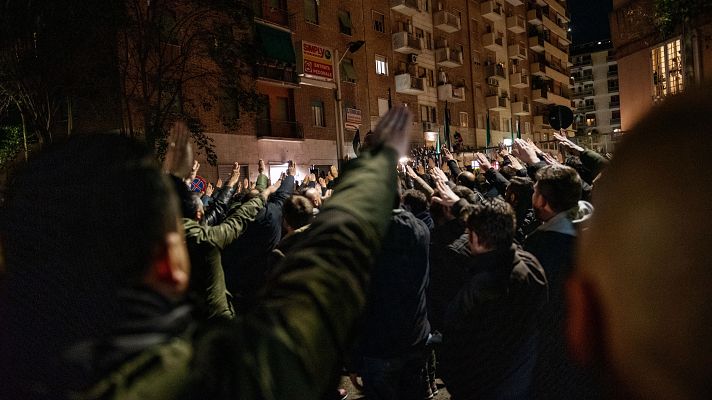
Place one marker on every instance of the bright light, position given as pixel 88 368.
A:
pixel 403 160
pixel 431 136
pixel 617 130
pixel 507 142
pixel 599 42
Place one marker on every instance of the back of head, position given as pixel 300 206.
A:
pixel 83 220
pixel 298 211
pixel 519 192
pixel 467 179
pixel 414 201
pixel 493 222
pixel 560 186
pixel 647 253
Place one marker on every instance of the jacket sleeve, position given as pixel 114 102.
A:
pixel 534 168
pixel 218 208
pixel 292 345
pixel 286 188
pixel 421 185
pixel 497 180
pixel 593 162
pixel 454 168
pixel 226 232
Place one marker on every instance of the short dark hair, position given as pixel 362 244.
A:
pixel 415 201
pixel 560 185
pixel 522 188
pixel 84 220
pixel 298 211
pixel 493 222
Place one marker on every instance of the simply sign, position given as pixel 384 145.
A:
pixel 317 61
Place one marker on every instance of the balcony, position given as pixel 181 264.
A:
pixel 495 71
pixel 584 93
pixel 451 93
pixel 557 7
pixel 446 21
pixel 409 84
pixel 541 96
pixel 582 62
pixel 515 2
pixel 497 103
pixel 516 24
pixel 556 72
pixel 405 43
pixel 586 108
pixel 534 17
pixel 552 26
pixel 538 69
pixel 614 104
pixel 519 80
pixel 583 78
pixel 492 41
pixel 448 57
pixel 612 74
pixel 613 89
pixel 264 11
pixel 277 75
pixel 554 50
pixel 520 108
pixel 517 51
pixel 270 129
pixel 536 43
pixel 615 121
pixel 405 7
pixel 559 99
pixel 492 11
pixel 541 122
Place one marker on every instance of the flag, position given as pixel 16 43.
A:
pixel 390 101
pixel 357 143
pixel 488 138
pixel 447 128
pixel 519 129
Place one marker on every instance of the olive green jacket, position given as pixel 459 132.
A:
pixel 292 345
pixel 207 279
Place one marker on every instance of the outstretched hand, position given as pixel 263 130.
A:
pixel 527 153
pixel 392 130
pixel 447 196
pixel 235 176
pixel 484 162
pixel 438 174
pixel 572 147
pixel 447 154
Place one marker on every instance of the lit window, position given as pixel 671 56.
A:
pixel 463 119
pixel 667 69
pixel 317 109
pixel 381 65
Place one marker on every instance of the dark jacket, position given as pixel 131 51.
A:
pixel 207 280
pixel 446 272
pixel 245 259
pixel 396 319
pixel 489 344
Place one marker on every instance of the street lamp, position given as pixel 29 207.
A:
pixel 352 48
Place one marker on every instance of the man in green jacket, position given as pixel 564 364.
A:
pixel 110 322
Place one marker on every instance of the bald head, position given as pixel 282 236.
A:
pixel 647 253
pixel 314 196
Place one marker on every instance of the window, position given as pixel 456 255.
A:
pixel 667 69
pixel 348 72
pixel 615 101
pixel 463 119
pixel 590 119
pixel 317 109
pixel 428 114
pixel 345 22
pixel 613 85
pixel 419 33
pixel 382 107
pixel 527 128
pixel 426 5
pixel 506 124
pixel 428 40
pixel 615 117
pixel 311 11
pixel 381 65
pixel 229 109
pixel 379 22
pixel 431 78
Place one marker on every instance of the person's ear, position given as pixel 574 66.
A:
pixel 170 272
pixel 584 328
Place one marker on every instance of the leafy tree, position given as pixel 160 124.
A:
pixel 178 58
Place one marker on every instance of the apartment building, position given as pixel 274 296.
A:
pixel 496 62
pixel 596 100
pixel 652 67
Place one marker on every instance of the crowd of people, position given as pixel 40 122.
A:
pixel 504 281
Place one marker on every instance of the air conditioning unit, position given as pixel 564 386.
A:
pixel 412 58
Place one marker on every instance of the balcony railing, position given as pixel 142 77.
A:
pixel 583 78
pixel 405 43
pixel 267 128
pixel 495 71
pixel 614 104
pixel 448 57
pixel 492 41
pixel 451 93
pixel 409 84
pixel 406 7
pixel 491 10
pixel 613 89
pixel 446 21
pixel 587 108
pixel 584 93
pixel 615 121
pixel 611 74
pixel 534 16
pixel 582 62
pixel 519 80
pixel 277 74
pixel 516 24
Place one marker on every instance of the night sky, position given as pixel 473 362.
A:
pixel 589 20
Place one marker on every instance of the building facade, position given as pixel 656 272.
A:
pixel 651 67
pixel 500 63
pixel 595 97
